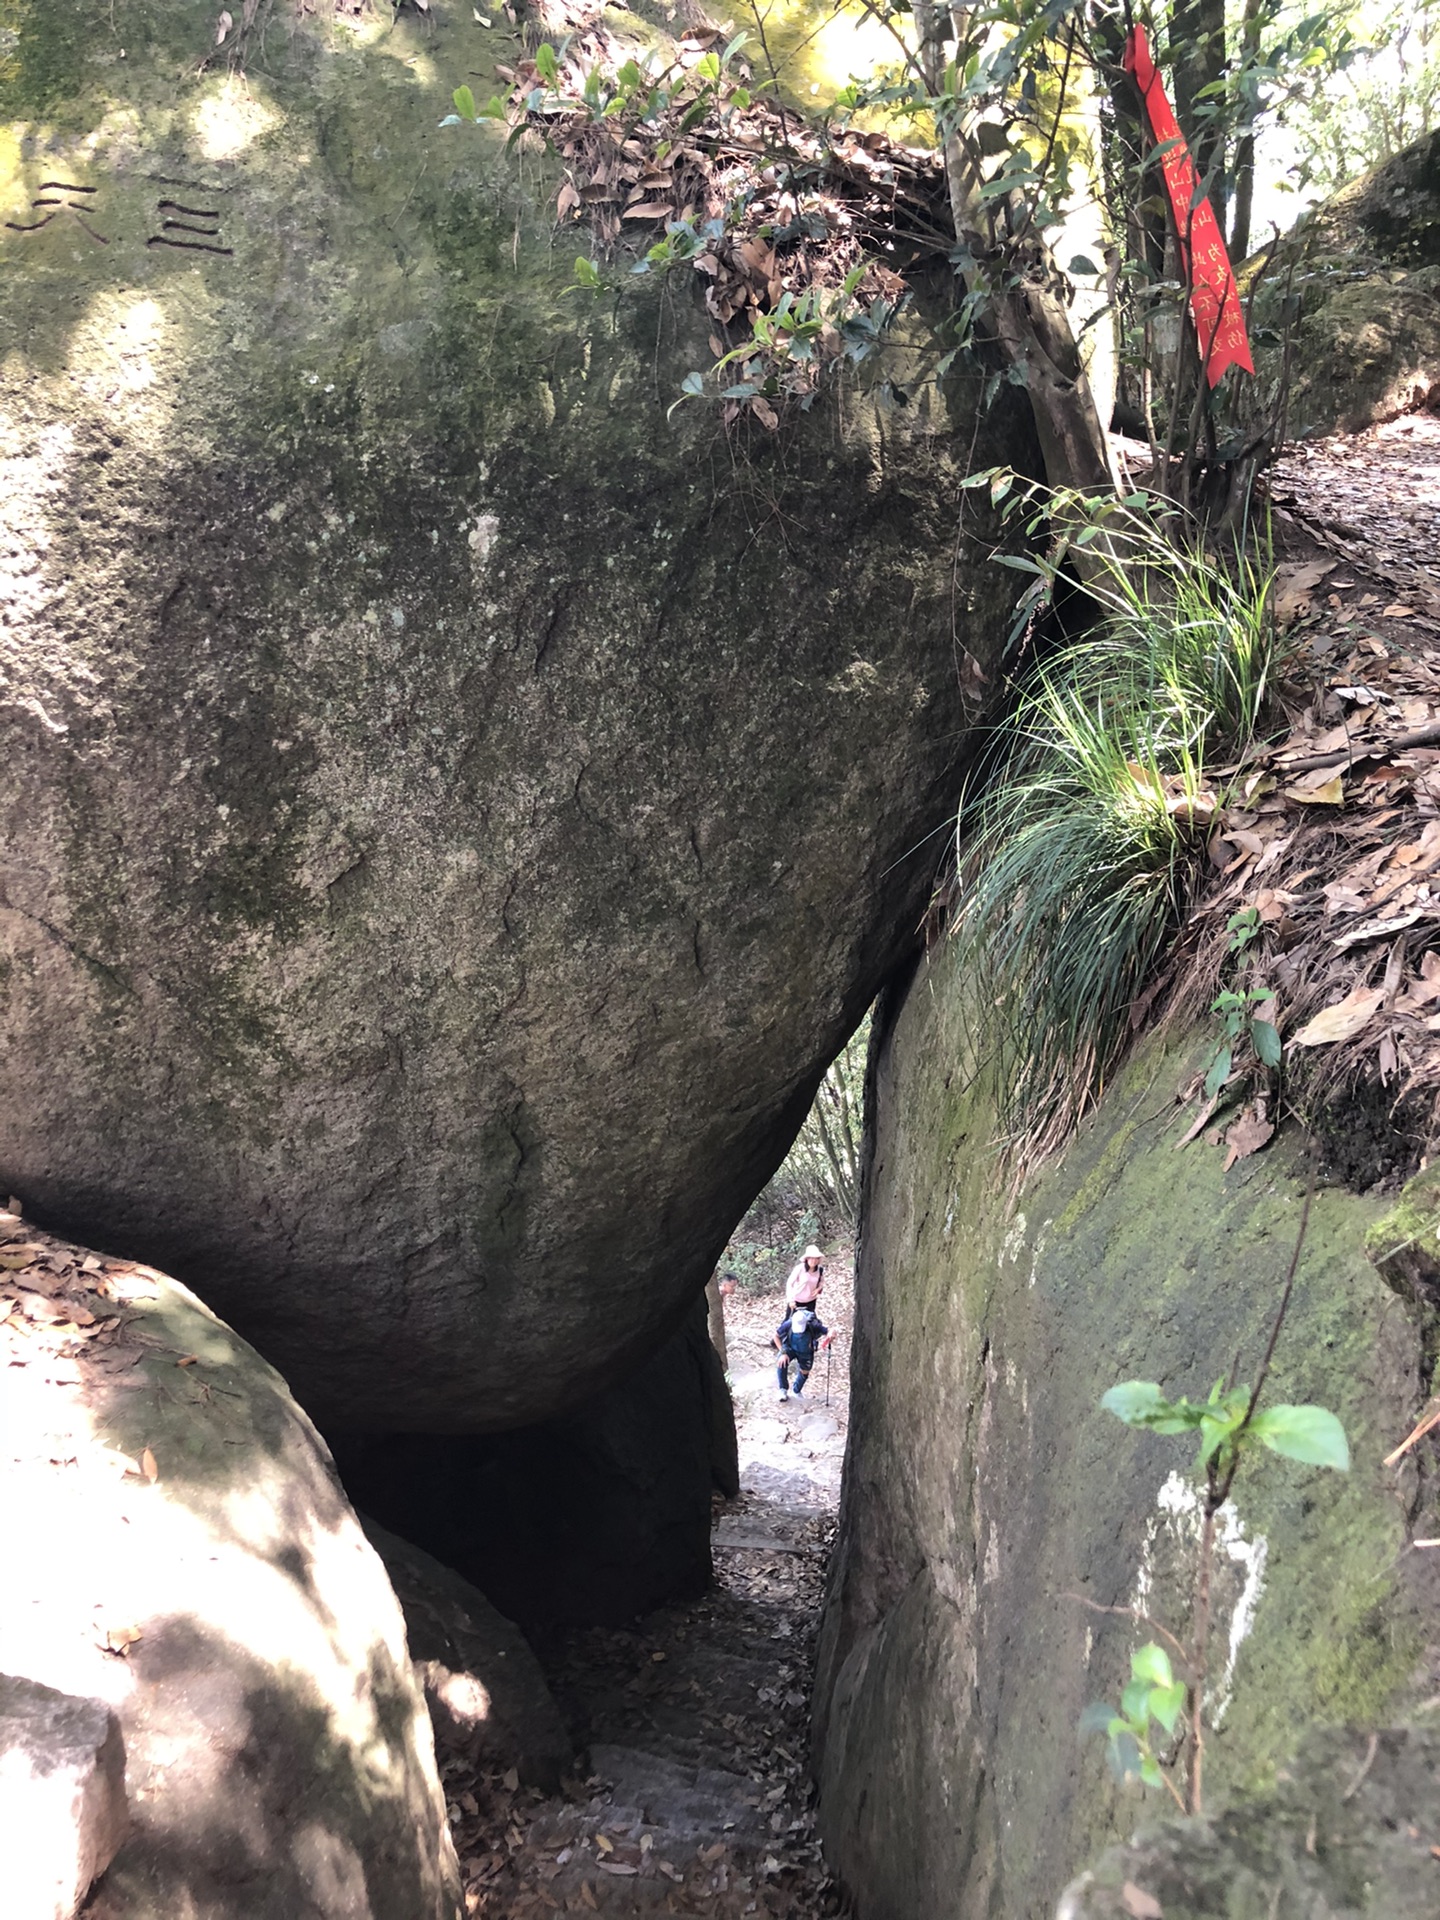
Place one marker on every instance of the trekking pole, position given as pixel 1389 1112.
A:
pixel 827 1375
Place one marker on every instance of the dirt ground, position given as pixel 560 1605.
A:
pixel 695 1721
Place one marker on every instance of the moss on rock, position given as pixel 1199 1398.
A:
pixel 448 796
pixel 991 1506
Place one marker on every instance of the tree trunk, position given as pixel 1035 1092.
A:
pixel 1031 321
pixel 1197 54
pixel 1245 150
pixel 715 1311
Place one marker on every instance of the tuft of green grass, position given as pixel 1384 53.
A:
pixel 1079 857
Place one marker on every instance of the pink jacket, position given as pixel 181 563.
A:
pixel 802 1289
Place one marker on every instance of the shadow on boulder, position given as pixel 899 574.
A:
pixel 587 1519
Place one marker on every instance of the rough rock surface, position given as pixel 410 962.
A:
pixel 177 1545
pixel 1368 344
pixel 988 1498
pixel 1351 1832
pixel 590 1518
pixel 488 1699
pixel 453 811
pixel 62 1797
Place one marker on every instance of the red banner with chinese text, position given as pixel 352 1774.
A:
pixel 1214 296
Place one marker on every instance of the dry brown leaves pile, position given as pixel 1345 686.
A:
pixel 1334 837
pixel 799 210
pixel 719 1685
pixel 62 1310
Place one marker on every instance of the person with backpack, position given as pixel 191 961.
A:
pixel 807 1277
pixel 796 1338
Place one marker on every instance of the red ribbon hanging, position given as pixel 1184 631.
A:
pixel 1214 296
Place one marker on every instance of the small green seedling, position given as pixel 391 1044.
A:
pixel 1153 1697
pixel 1243 927
pixel 1229 1425
pixel 1309 1434
pixel 1239 1021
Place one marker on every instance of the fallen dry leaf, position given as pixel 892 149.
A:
pixel 148 1466
pixel 1397 610
pixel 1246 1136
pixel 1329 790
pixel 1377 929
pixel 1342 1021
pixel 1139 1904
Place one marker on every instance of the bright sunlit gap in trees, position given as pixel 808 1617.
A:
pixel 1385 96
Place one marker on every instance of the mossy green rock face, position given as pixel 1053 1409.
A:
pixel 992 1508
pixel 1368 342
pixel 1349 1833
pixel 453 809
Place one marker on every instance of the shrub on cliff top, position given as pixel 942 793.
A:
pixel 1080 853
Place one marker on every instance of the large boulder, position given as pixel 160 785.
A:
pixel 1366 268
pixel 177 1549
pixel 1348 1832
pixel 62 1797
pixel 489 1702
pixel 454 810
pixel 994 1516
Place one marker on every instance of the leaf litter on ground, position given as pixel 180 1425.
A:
pixel 1331 834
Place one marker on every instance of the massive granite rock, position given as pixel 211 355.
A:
pixel 453 810
pixel 991 1507
pixel 176 1546
pixel 1367 275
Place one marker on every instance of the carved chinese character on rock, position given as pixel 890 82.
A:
pixel 56 200
pixel 193 229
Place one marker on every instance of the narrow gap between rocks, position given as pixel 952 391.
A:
pixel 693 1724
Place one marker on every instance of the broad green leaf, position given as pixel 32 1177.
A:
pixel 1100 1719
pixel 545 63
pixel 1133 1401
pixel 1123 1754
pixel 1219 1072
pixel 1266 1040
pixel 1140 1403
pixel 1135 1702
pixel 1309 1434
pixel 1168 1703
pixel 464 103
pixel 693 383
pixel 1151 1664
pixel 1150 1772
pixel 1082 263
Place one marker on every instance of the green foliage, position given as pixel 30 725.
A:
pixel 1240 1021
pixel 1153 1695
pixel 1079 854
pixel 1227 1426
pixel 1384 94
pixel 790 346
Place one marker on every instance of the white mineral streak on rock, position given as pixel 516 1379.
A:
pixel 1178 1503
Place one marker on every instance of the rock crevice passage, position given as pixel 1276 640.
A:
pixel 692 1723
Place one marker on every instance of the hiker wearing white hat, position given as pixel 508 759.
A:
pixel 807 1277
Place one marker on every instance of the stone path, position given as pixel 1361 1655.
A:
pixel 696 1720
